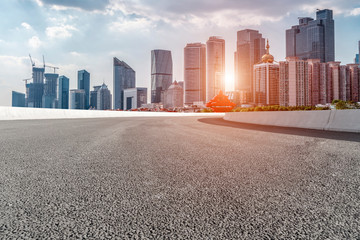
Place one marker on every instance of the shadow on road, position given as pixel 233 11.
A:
pixel 345 136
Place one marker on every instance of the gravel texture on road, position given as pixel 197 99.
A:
pixel 176 178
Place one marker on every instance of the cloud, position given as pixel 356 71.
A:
pixel 88 5
pixel 355 12
pixel 126 25
pixel 60 32
pixel 26 26
pixel 34 42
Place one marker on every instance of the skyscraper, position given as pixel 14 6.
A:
pixel 18 99
pixel 63 93
pixel 93 97
pixel 161 73
pixel 312 39
pixel 103 98
pixel 250 47
pixel 77 99
pixel 357 56
pixel 35 90
pixel 266 81
pixel 195 73
pixel 84 83
pixel 124 78
pixel 215 67
pixel 50 88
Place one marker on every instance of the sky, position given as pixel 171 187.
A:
pixel 87 34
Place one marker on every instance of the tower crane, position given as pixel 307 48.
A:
pixel 49 66
pixel 26 80
pixel 32 62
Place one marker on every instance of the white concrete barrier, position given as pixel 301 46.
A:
pixel 17 113
pixel 333 120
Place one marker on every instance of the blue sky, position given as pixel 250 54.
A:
pixel 87 34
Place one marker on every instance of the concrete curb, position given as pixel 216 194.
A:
pixel 331 120
pixel 17 113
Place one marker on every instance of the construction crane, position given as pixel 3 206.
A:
pixel 32 62
pixel 52 68
pixel 49 66
pixel 26 80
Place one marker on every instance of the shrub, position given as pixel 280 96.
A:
pixel 341 105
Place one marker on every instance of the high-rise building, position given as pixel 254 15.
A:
pixel 134 98
pixel 294 82
pixel 357 56
pixel 84 83
pixel 266 81
pixel 250 47
pixel 50 89
pixel 354 81
pixel 93 97
pixel 173 96
pixel 161 73
pixel 195 73
pixel 103 98
pixel 124 78
pixel 215 67
pixel 63 92
pixel 312 39
pixel 18 99
pixel 35 90
pixel 77 99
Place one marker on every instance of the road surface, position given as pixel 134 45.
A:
pixel 176 178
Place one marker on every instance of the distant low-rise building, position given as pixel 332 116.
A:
pixel 134 98
pixel 18 99
pixel 174 96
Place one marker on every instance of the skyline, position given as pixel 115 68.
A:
pixel 60 31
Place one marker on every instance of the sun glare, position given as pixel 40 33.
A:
pixel 229 81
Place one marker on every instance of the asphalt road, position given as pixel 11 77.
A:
pixel 176 178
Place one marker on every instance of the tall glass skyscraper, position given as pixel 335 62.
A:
pixel 312 39
pixel 250 47
pixel 215 78
pixel 50 90
pixel 63 92
pixel 124 78
pixel 161 73
pixel 195 73
pixel 84 83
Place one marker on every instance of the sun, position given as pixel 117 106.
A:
pixel 229 81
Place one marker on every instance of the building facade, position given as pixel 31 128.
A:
pixel 312 39
pixel 161 73
pixel 173 96
pixel 124 78
pixel 18 99
pixel 195 73
pixel 50 90
pixel 77 99
pixel 103 98
pixel 250 47
pixel 63 92
pixel 93 97
pixel 35 90
pixel 134 98
pixel 84 83
pixel 266 81
pixel 215 67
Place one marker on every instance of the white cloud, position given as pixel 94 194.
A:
pixel 35 42
pixel 62 32
pixel 126 25
pixel 355 12
pixel 26 26
pixel 75 54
